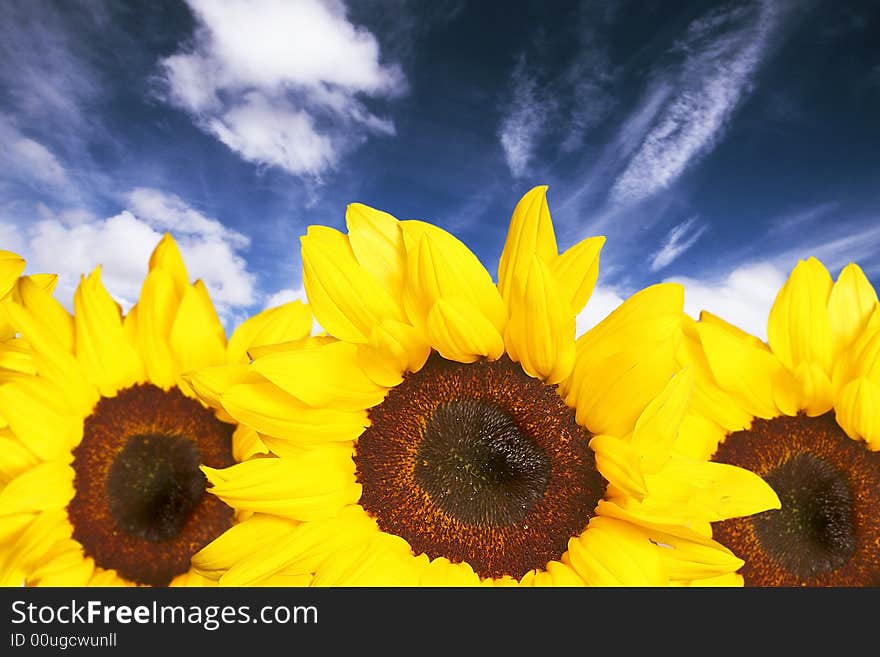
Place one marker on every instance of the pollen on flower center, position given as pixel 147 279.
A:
pixel 153 485
pixel 140 505
pixel 478 463
pixel 475 464
pixel 826 532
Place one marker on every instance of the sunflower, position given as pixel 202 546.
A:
pixel 102 439
pixel 450 430
pixel 802 410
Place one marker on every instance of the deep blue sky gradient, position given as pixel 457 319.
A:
pixel 790 169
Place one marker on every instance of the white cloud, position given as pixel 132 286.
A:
pixel 281 82
pixel 680 239
pixel 743 297
pixel 11 238
pixel 724 50
pixel 122 245
pixel 523 124
pixel 601 303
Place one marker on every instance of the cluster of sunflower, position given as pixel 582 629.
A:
pixel 445 427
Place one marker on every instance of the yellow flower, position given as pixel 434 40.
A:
pixel 451 431
pixel 14 352
pixel 100 437
pixel 802 411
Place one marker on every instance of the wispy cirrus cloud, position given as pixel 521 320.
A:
pixel 559 106
pixel 525 121
pixel 723 51
pixel 280 83
pixel 28 160
pixel 682 237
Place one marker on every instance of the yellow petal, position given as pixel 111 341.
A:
pixel 556 574
pixel 25 550
pixel 657 428
pixel 541 326
pixel 246 442
pixel 620 386
pixel 109 360
pixel 710 491
pixel 460 332
pixel 709 318
pixel 734 580
pixel 197 338
pixel 315 485
pixel 698 437
pixel 385 560
pixel 64 565
pixel 439 266
pixel 31 407
pixel 290 345
pixel 620 464
pixel 577 269
pixel 741 369
pixel 166 256
pixel 529 235
pixel 442 572
pixel 289 321
pixel 273 412
pixel 322 376
pixel 394 348
pixel 11 266
pixel 857 410
pixel 302 549
pixel 15 459
pixel 210 383
pixel 45 486
pixel 850 304
pixel 814 388
pixel 48 328
pixel 377 243
pixel 694 557
pixel 240 541
pixel 612 552
pixel 346 300
pixel 156 311
pixel 15 355
pixel 191 579
pixel 707 398
pixel 799 328
pixel 625 361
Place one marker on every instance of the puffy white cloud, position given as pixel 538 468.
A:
pixel 743 297
pixel 122 245
pixel 11 238
pixel 280 82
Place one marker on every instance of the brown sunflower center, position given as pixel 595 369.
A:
pixel 828 529
pixel 140 505
pixel 478 463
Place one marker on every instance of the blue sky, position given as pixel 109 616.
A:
pixel 712 143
